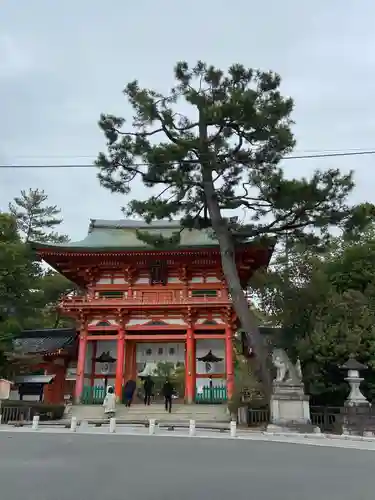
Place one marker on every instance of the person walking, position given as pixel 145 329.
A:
pixel 129 390
pixel 109 403
pixel 148 385
pixel 168 395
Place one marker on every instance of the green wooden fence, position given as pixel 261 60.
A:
pixel 216 394
pixel 93 395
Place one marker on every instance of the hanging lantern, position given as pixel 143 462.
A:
pixel 105 360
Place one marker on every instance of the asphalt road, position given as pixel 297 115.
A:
pixel 113 467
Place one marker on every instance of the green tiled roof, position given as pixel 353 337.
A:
pixel 122 234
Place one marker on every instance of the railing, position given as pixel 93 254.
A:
pixel 97 301
pixel 93 395
pixel 207 395
pixel 327 418
pixel 16 414
pixel 258 417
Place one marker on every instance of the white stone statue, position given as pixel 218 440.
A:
pixel 286 371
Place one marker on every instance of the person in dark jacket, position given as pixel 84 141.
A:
pixel 129 390
pixel 148 385
pixel 168 393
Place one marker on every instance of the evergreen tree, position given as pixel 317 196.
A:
pixel 36 221
pixel 16 274
pixel 222 154
pixel 325 303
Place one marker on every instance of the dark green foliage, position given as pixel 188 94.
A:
pixel 16 272
pixel 29 293
pixel 49 290
pixel 241 132
pixel 35 220
pixel 15 277
pixel 221 154
pixel 327 306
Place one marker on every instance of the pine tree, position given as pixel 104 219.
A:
pixel 16 274
pixel 222 154
pixel 36 221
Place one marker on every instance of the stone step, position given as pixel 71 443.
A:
pixel 200 413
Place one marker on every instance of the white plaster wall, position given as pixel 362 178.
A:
pixel 99 382
pixel 71 370
pixel 14 395
pixel 138 321
pixel 31 397
pixel 94 321
pixel 157 356
pixel 88 357
pixel 103 346
pixel 217 346
pixel 217 318
pixel 204 382
pixel 144 320
pixel 143 280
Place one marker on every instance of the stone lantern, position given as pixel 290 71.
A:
pixel 356 411
pixel 354 380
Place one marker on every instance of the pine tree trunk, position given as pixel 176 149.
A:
pixel 247 318
pixel 228 259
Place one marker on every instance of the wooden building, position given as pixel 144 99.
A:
pixel 143 304
pixel 47 355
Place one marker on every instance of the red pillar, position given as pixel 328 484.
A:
pixel 81 366
pixel 190 378
pixel 229 365
pixel 54 392
pixel 120 363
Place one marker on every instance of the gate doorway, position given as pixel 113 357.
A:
pixel 160 361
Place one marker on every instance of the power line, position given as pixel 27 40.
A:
pixel 292 157
pixel 70 156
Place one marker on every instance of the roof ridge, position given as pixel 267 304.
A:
pixel 132 224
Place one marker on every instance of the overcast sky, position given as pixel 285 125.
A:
pixel 62 63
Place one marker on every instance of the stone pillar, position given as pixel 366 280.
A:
pixel 120 363
pixel 229 364
pixel 289 405
pixel 80 378
pixel 190 368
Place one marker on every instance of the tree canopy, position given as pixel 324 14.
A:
pixel 15 283
pixel 36 221
pixel 29 293
pixel 214 144
pixel 326 304
pixel 39 221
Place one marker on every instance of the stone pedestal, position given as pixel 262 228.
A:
pixel 357 418
pixel 289 408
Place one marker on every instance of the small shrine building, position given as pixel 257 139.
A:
pixel 48 355
pixel 141 305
